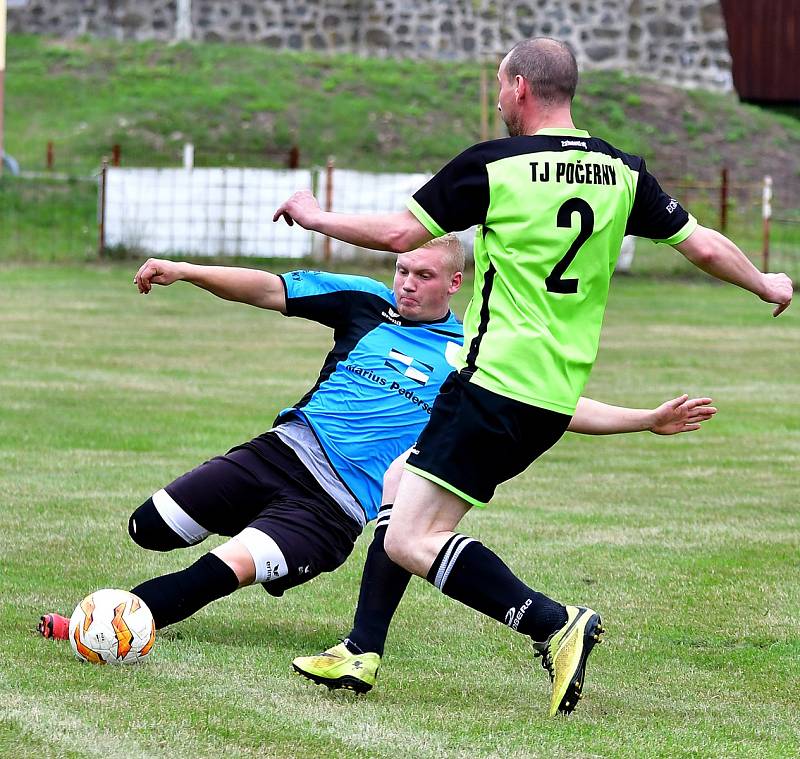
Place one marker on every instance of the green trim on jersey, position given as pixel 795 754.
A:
pixel 563 132
pixel 681 234
pixel 444 484
pixel 424 218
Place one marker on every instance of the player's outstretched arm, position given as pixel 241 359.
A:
pixel 681 414
pixel 258 288
pixel 396 232
pixel 716 255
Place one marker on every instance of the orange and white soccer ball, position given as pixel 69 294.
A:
pixel 112 627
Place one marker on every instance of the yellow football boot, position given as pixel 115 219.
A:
pixel 338 668
pixel 564 656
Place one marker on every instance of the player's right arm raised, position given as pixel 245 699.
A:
pixel 257 288
pixel 397 232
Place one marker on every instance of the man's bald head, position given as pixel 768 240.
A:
pixel 548 66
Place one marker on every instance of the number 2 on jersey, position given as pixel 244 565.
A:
pixel 554 282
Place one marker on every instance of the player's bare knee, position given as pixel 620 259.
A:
pixel 399 549
pixel 259 558
pixel 235 554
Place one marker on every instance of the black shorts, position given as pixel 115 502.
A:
pixel 262 484
pixel 476 439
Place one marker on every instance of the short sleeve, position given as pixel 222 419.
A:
pixel 656 215
pixel 456 197
pixel 326 298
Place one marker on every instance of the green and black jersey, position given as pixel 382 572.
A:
pixel 551 209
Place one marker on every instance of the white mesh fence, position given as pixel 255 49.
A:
pixel 203 211
pixel 359 192
pixel 218 212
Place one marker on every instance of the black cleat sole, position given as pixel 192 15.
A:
pixel 340 683
pixel 45 626
pixel 591 636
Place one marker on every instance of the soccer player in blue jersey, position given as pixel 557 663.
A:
pixel 294 500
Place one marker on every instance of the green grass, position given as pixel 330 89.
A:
pixel 48 219
pixel 242 105
pixel 688 546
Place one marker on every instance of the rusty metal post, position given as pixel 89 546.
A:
pixel 50 159
pixel 101 211
pixel 2 74
pixel 498 119
pixel 2 88
pixel 326 245
pixel 484 103
pixel 766 215
pixel 723 200
pixel 116 151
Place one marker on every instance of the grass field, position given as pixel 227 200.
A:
pixel 688 546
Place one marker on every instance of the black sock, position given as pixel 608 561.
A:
pixel 469 572
pixel 383 584
pixel 175 596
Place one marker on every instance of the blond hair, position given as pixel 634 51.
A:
pixel 454 257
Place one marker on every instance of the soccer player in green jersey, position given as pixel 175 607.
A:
pixel 552 204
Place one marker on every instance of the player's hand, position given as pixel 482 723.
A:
pixel 302 207
pixel 778 289
pixel 156 271
pixel 681 414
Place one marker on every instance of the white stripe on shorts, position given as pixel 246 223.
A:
pixel 268 558
pixel 177 519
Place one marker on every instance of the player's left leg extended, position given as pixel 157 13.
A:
pixel 295 537
pixel 176 596
pixel 471 573
pixel 474 440
pixel 160 524
pixel 226 495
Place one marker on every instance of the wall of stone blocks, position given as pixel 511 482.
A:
pixel 680 42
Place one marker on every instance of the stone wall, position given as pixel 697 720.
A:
pixel 677 41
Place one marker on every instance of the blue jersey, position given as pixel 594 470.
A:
pixel 376 388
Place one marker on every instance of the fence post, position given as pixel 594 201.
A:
pixel 498 119
pixel 723 200
pixel 101 211
pixel 49 155
pixel 183 21
pixel 115 155
pixel 326 245
pixel 293 161
pixel 766 214
pixel 484 102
